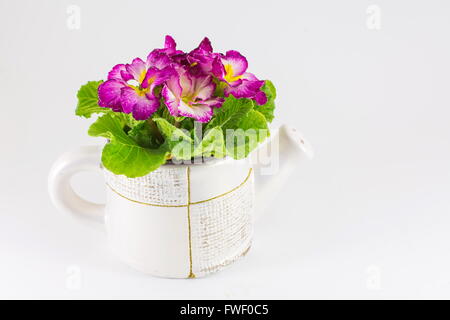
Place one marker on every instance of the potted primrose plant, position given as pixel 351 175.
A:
pixel 179 129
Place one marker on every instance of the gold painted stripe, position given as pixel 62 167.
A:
pixel 228 192
pixel 183 205
pixel 188 173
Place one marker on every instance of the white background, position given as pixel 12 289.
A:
pixel 368 218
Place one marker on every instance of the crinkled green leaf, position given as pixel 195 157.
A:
pixel 197 132
pixel 187 124
pixel 252 130
pixel 104 126
pixel 143 134
pixel 122 154
pixel 270 90
pixel 177 141
pixel 128 119
pixel 171 134
pixel 183 150
pixel 256 121
pixel 88 100
pixel 268 109
pixel 165 114
pixel 212 144
pixel 230 114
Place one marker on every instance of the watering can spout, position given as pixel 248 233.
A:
pixel 274 162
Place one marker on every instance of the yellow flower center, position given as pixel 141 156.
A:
pixel 189 99
pixel 142 76
pixel 229 74
pixel 139 90
pixel 151 80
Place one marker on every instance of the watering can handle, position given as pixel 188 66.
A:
pixel 63 196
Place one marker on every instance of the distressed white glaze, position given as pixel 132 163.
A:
pixel 206 225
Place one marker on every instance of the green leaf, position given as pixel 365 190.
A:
pixel 212 144
pixel 183 150
pixel 252 130
pixel 88 100
pixel 268 109
pixel 230 114
pixel 164 113
pixel 269 90
pixel 122 154
pixel 187 124
pixel 127 119
pixel 171 134
pixel 143 135
pixel 197 132
pixel 255 120
pixel 105 126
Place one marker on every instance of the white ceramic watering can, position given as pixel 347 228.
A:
pixel 182 221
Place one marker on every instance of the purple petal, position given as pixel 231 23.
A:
pixel 171 100
pixel 145 107
pixel 203 87
pixel 156 77
pixel 186 82
pixel 150 78
pixel 217 68
pixel 260 98
pixel 126 76
pixel 196 70
pixel 200 112
pixel 116 72
pixel 173 84
pixel 235 83
pixel 214 103
pixel 171 93
pixel 206 45
pixel 141 105
pixel 137 69
pixel 200 61
pixel 128 99
pixel 249 76
pixel 201 58
pixel 180 58
pixel 247 89
pixel 236 61
pixel 158 58
pixel 170 47
pixel 170 42
pixel 166 74
pixel 109 93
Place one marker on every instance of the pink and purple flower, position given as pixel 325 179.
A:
pixel 203 59
pixel 191 96
pixel 242 84
pixel 188 82
pixel 130 87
